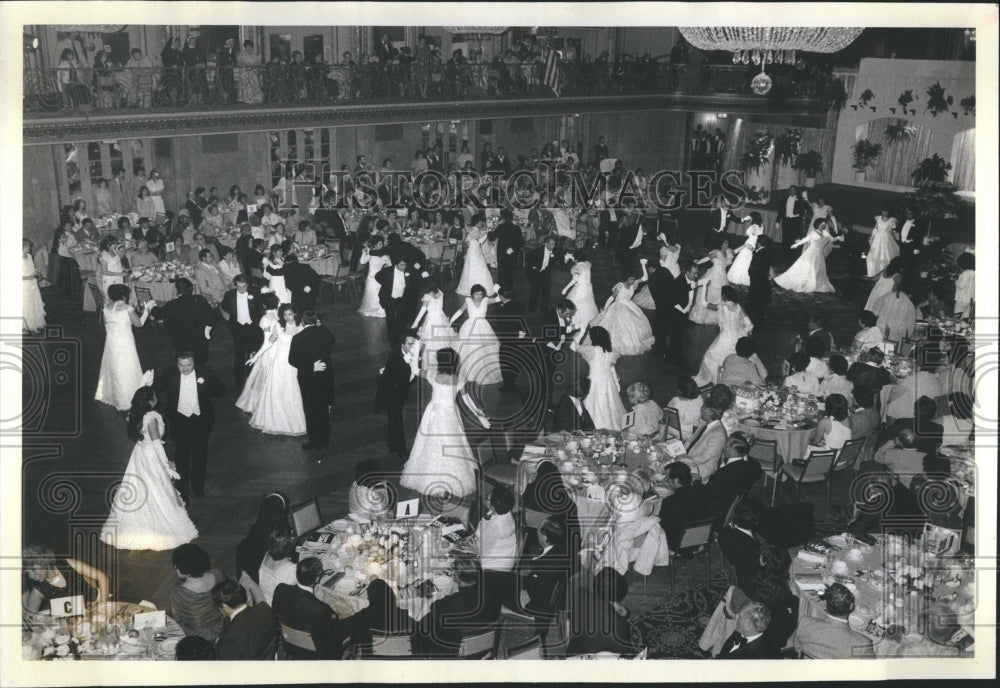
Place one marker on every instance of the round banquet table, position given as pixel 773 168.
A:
pixel 87 260
pixel 792 443
pixel 325 266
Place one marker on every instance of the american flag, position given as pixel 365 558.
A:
pixel 552 77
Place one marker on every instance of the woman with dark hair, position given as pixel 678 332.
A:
pixel 733 324
pixel 808 273
pixel 109 263
pixel 890 276
pixel 441 461
pixel 272 514
pixel 688 403
pixel 147 512
pixel 603 402
pixel 833 430
pixel 624 320
pixel 435 331
pixel 272 395
pixel 191 602
pixel 121 373
pixel 279 563
pixel 373 256
pixel 739 271
pixel 479 344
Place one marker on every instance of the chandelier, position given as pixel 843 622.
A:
pixel 89 28
pixel 477 31
pixel 770 44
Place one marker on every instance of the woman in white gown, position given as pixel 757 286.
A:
pixel 435 329
pixel 628 327
pixel 739 271
pixel 370 306
pixel 251 394
pixel 580 291
pixel 278 409
pixel 120 373
pixel 33 308
pixel 604 401
pixel 147 511
pixel 887 281
pixel 109 264
pixel 733 324
pixel 479 347
pixel 808 274
pixel 275 280
pixel 441 461
pixel 475 270
pixel 883 246
pixel 709 295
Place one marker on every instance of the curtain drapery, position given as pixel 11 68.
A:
pixel 963 160
pixel 898 159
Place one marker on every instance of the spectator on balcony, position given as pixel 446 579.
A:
pixel 455 73
pixel 104 80
pixel 194 71
pixel 247 75
pixel 140 80
pixel 68 81
pixel 422 59
pixel 226 59
pixel 297 72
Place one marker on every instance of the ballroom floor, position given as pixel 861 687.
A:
pixel 66 482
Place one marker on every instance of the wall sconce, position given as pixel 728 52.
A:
pixel 30 42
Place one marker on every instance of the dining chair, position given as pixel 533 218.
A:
pixel 765 452
pixel 478 646
pixel 673 419
pixel 515 630
pixel 815 467
pixel 696 534
pixel 296 641
pixel 342 279
pixel 306 517
pixel 388 645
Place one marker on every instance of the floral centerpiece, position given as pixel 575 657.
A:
pixel 165 271
pixel 306 253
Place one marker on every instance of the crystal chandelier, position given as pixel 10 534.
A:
pixel 770 44
pixel 89 28
pixel 477 31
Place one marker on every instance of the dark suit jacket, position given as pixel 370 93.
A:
pixel 823 337
pixel 507 319
pixel 729 481
pixel 385 52
pixel 679 294
pixel 249 634
pixel 298 276
pixel 473 609
pixel 186 318
pixel 659 285
pixel 153 237
pixel 718 219
pixel 542 577
pixel 314 343
pixel 757 649
pixel 254 304
pixel 414 257
pixel 168 386
pixel 760 263
pixel 872 377
pixel 298 609
pixel 385 279
pixel 567 418
pixel 605 223
pixel 533 262
pixel 743 552
pixel 686 505
pixel 508 236
pixel 394 383
pixel 628 228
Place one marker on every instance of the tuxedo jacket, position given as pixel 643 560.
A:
pixel 508 236
pixel 186 318
pixel 718 219
pixel 628 228
pixel 605 223
pixel 507 319
pixel 314 343
pixel 729 481
pixel 686 505
pixel 394 383
pixel 249 635
pixel 822 335
pixel 915 238
pixel 473 609
pixel 415 258
pixel 542 577
pixel 743 552
pixel 756 649
pixel 568 418
pixel 385 279
pixel 801 208
pixel 298 276
pixel 760 262
pixel 298 609
pixel 679 293
pixel 660 284
pixel 254 305
pixel 533 262
pixel 168 386
pixel 864 375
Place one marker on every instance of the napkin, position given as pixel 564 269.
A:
pixel 810 581
pixel 810 557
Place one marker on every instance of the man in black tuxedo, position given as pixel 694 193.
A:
pixel 570 414
pixel 413 256
pixel 543 576
pixel 761 273
pixel 736 474
pixel 740 545
pixel 601 150
pixel 507 317
pixel 659 285
pixel 302 281
pixel 189 320
pixel 184 391
pixel 385 51
pixel 791 215
pixel 553 344
pixel 719 219
pixel 817 340
pixel 243 308
pixel 297 607
pixel 398 294
pixel 607 225
pixel 687 504
pixel 680 298
pixel 539 263
pixel 249 633
pixel 510 241
pixel 243 248
pixel 310 354
pixel 472 610
pixel 394 383
pixel 501 161
pixel 911 238
pixel 747 641
pixel 255 263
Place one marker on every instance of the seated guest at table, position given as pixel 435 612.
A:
pixel 382 614
pixel 230 266
pixel 545 576
pixel 87 232
pixel 929 433
pixel 740 543
pixel 822 338
pixel 195 649
pixel 47 578
pixel 687 503
pixel 902 456
pixel 956 420
pixel 296 606
pixel 832 431
pixel 868 372
pixel 598 619
pixel 213 221
pixel 272 513
pixel 269 218
pixel 836 381
pixel 803 380
pixel 831 637
pixel 184 231
pixel 648 414
pixel 705 446
pixel 688 403
pixel 748 641
pixel 305 235
pixel 737 473
pixel 151 235
pixel 743 366
pixel 865 419
pixel 371 496
pixel 897 315
pixel 771 588
pixel 570 414
pixel 548 494
pixel 935 476
pixel 250 632
pixel 142 256
pixel 869 335
pixel 191 603
pixel 497 532
pixel 817 350
pixel 192 209
pixel 474 609
pixel 211 283
pixel 275 236
pixel 902 396
pixel 278 565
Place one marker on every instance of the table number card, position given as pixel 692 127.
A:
pixel 169 247
pixel 407 508
pixel 67 606
pixel 629 419
pixel 149 620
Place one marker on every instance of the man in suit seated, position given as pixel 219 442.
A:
pixel 687 504
pixel 864 420
pixel 737 473
pixel 704 449
pixel 831 637
pixel 821 338
pixel 868 372
pixel 570 414
pixel 543 577
pixel 747 641
pixel 250 632
pixel 740 545
pixel 296 606
pixel 928 433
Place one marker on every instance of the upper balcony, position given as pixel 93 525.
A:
pixel 68 103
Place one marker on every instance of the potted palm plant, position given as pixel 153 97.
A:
pixel 811 164
pixel 933 169
pixel 866 152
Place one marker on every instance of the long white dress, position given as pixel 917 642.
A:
pixel 276 283
pixel 808 274
pixel 121 374
pixel 147 512
pixel 370 307
pixel 739 271
pixel 881 287
pixel 709 292
pixel 252 388
pixel 32 306
pixel 582 295
pixel 435 331
pixel 883 246
pixel 631 333
pixel 113 263
pixel 479 348
pixel 603 402
pixel 733 324
pixel 278 408
pixel 475 270
pixel 441 460
pixel 155 187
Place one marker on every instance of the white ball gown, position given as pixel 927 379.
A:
pixel 435 331
pixel 33 308
pixel 112 262
pixel 733 324
pixel 147 512
pixel 582 295
pixel 808 274
pixel 370 306
pixel 121 374
pixel 709 292
pixel 883 246
pixel 271 392
pixel 604 402
pixel 739 271
pixel 475 270
pixel 631 333
pixel 883 285
pixel 478 346
pixel 441 460
pixel 276 283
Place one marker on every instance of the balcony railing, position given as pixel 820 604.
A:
pixel 83 90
